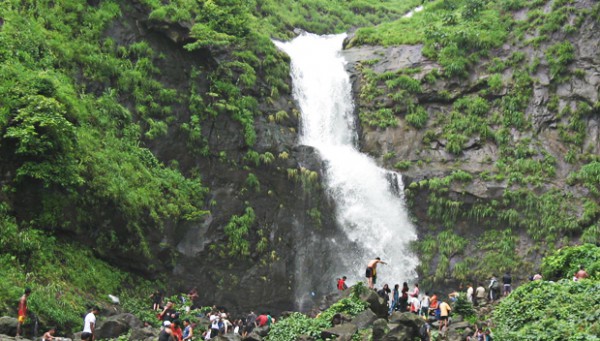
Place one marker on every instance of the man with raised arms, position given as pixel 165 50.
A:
pixel 371 272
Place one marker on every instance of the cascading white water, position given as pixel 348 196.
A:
pixel 370 210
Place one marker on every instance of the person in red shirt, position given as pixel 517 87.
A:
pixel 176 329
pixel 341 284
pixel 262 320
pixel 22 310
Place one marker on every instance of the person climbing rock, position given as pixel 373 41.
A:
pixel 371 272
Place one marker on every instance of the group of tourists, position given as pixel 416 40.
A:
pixel 402 300
pixel 219 322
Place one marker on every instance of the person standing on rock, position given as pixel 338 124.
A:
pixel 371 272
pixel 166 334
pixel 425 305
pixel 89 325
pixel 444 315
pixel 22 314
pixel 188 331
pixel 480 294
pixel 506 283
pixel 470 293
pixel 395 298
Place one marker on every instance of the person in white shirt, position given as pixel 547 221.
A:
pixel 89 325
pixel 470 292
pixel 425 304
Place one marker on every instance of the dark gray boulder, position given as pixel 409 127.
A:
pixel 253 337
pixel 341 332
pixel 8 325
pixel 376 303
pixel 380 328
pixel 407 327
pixel 364 319
pixel 143 333
pixel 117 325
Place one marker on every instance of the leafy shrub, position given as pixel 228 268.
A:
pixel 566 261
pixel 550 311
pixel 462 306
pixel 417 117
pixel 288 329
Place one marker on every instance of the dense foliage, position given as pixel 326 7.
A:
pixel 567 261
pixel 543 311
pixel 66 279
pixel 561 310
pixel 297 324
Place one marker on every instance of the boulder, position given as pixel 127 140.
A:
pixel 253 337
pixel 143 333
pixel 459 325
pixel 407 327
pixel 229 337
pixel 10 338
pixel 376 303
pixel 380 328
pixel 342 332
pixel 8 325
pixel 117 325
pixel 262 331
pixel 364 319
pixel 409 322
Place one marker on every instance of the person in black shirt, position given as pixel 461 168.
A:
pixel 507 281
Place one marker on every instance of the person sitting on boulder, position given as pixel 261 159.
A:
pixel 49 335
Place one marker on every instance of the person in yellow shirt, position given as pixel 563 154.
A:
pixel 444 314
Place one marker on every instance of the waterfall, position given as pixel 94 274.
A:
pixel 370 208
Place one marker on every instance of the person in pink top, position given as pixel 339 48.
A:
pixel 415 292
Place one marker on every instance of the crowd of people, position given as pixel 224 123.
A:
pixel 219 322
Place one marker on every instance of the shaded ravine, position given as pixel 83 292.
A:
pixel 370 210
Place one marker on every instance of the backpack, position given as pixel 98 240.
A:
pixel 495 285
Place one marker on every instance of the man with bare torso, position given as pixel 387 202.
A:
pixel 371 272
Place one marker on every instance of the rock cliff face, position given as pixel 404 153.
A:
pixel 424 156
pixel 292 215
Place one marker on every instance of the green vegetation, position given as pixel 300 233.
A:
pixel 76 153
pixel 566 261
pixel 66 279
pixel 237 231
pixel 290 328
pixel 563 310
